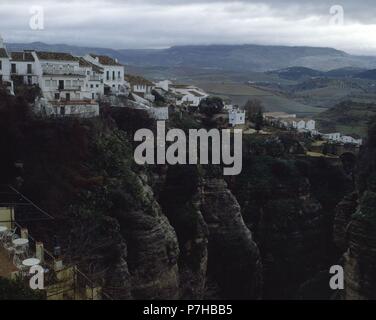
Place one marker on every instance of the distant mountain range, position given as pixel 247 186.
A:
pixel 237 58
pixel 302 73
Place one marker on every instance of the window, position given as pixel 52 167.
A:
pixel 48 83
pixel 54 83
pixel 93 96
pixel 119 76
pixel 97 85
pixel 1 65
pixel 92 86
pixel 57 96
pixel 88 73
pixel 68 83
pixel 29 68
pixel 29 80
pixel 113 75
pixel 108 75
pixel 14 68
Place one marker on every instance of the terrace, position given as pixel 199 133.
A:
pixel 19 251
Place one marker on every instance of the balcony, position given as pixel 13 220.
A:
pixel 63 72
pixel 95 78
pixel 70 88
pixel 19 251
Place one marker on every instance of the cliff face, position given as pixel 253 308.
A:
pixel 355 228
pixel 152 250
pixel 234 259
pixel 219 258
pixel 179 232
pixel 343 212
pixel 360 258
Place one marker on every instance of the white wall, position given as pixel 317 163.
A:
pixel 113 76
pixel 236 118
pixel 21 70
pixel 5 69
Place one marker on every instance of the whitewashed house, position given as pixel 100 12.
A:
pixel 94 75
pixel 159 113
pixel 64 86
pixel 236 118
pixel 141 86
pixel 164 84
pixel 335 136
pixel 23 67
pixel 5 78
pixel 113 73
pixel 310 125
pixel 349 139
pixel 188 95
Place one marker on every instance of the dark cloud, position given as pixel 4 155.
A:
pixel 162 23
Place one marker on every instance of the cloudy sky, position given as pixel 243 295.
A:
pixel 343 24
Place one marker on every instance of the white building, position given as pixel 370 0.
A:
pixel 236 118
pixel 64 85
pixel 23 68
pixel 164 84
pixel 5 78
pixel 335 136
pixel 188 95
pixel 298 124
pixel 141 86
pixel 159 113
pixel 113 73
pixel 349 139
pixel 94 76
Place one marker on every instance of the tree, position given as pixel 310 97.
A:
pixel 211 106
pixel 259 120
pixel 253 108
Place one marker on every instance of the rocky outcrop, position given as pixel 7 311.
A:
pixel 342 217
pixel 360 258
pixel 194 260
pixel 152 250
pixel 234 259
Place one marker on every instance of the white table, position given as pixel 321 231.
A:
pixel 20 242
pixel 31 262
pixel 3 229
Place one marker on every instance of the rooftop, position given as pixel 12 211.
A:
pixel 278 114
pixel 3 53
pixel 135 80
pixel 106 60
pixel 57 56
pixel 196 94
pixel 22 56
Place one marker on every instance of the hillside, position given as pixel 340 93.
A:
pixel 369 74
pixel 240 58
pixel 349 117
pixel 297 73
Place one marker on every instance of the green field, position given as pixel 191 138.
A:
pixel 240 93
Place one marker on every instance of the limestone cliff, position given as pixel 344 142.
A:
pixel 234 258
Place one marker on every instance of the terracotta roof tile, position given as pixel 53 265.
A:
pixel 58 56
pixel 22 56
pixel 105 60
pixel 3 53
